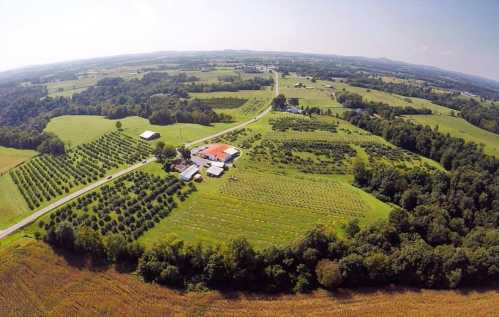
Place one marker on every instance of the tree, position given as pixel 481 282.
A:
pixel 164 152
pixel 118 125
pixel 352 228
pixel 185 152
pixel 52 145
pixel 328 274
pixel 279 103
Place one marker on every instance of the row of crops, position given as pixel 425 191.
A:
pixel 301 124
pixel 318 157
pixel 130 205
pixel 329 198
pixel 46 177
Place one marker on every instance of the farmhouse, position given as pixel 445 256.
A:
pixel 214 171
pixel 219 152
pixel 189 173
pixel 149 135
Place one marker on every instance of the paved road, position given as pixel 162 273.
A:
pixel 26 221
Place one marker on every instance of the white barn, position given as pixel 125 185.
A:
pixel 149 135
pixel 189 173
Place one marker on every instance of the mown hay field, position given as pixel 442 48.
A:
pixel 36 281
pixel 10 157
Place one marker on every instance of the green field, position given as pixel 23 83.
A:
pixel 13 207
pixel 320 95
pixel 460 128
pixel 10 157
pixel 218 211
pixel 76 130
pixel 67 88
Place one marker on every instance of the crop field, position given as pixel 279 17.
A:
pixel 460 128
pixel 334 199
pixel 36 281
pixel 246 94
pixel 10 157
pixel 216 213
pixel 130 205
pixel 46 177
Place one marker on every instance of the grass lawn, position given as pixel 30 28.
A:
pixel 458 127
pixel 10 157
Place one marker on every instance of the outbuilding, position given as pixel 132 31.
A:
pixel 149 135
pixel 214 171
pixel 230 153
pixel 189 173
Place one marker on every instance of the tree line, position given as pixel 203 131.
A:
pixel 356 101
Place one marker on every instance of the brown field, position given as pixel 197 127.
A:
pixel 34 281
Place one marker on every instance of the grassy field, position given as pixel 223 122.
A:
pixel 318 94
pixel 10 157
pixel 36 281
pixel 460 128
pixel 13 207
pixel 69 128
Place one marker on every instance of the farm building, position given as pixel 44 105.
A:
pixel 218 164
pixel 149 135
pixel 189 173
pixel 214 171
pixel 219 152
pixel 293 109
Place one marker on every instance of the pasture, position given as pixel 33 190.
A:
pixel 460 128
pixel 10 157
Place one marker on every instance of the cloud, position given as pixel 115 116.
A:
pixel 447 53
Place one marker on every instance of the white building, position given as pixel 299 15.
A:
pixel 214 171
pixel 230 153
pixel 189 173
pixel 218 164
pixel 149 135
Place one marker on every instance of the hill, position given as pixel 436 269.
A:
pixel 36 281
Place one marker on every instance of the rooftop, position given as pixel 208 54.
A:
pixel 148 134
pixel 215 171
pixel 216 151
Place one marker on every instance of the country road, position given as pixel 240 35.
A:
pixel 31 218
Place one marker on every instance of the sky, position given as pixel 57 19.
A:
pixel 451 34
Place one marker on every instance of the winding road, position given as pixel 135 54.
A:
pixel 31 218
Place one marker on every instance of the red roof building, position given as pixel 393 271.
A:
pixel 218 152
